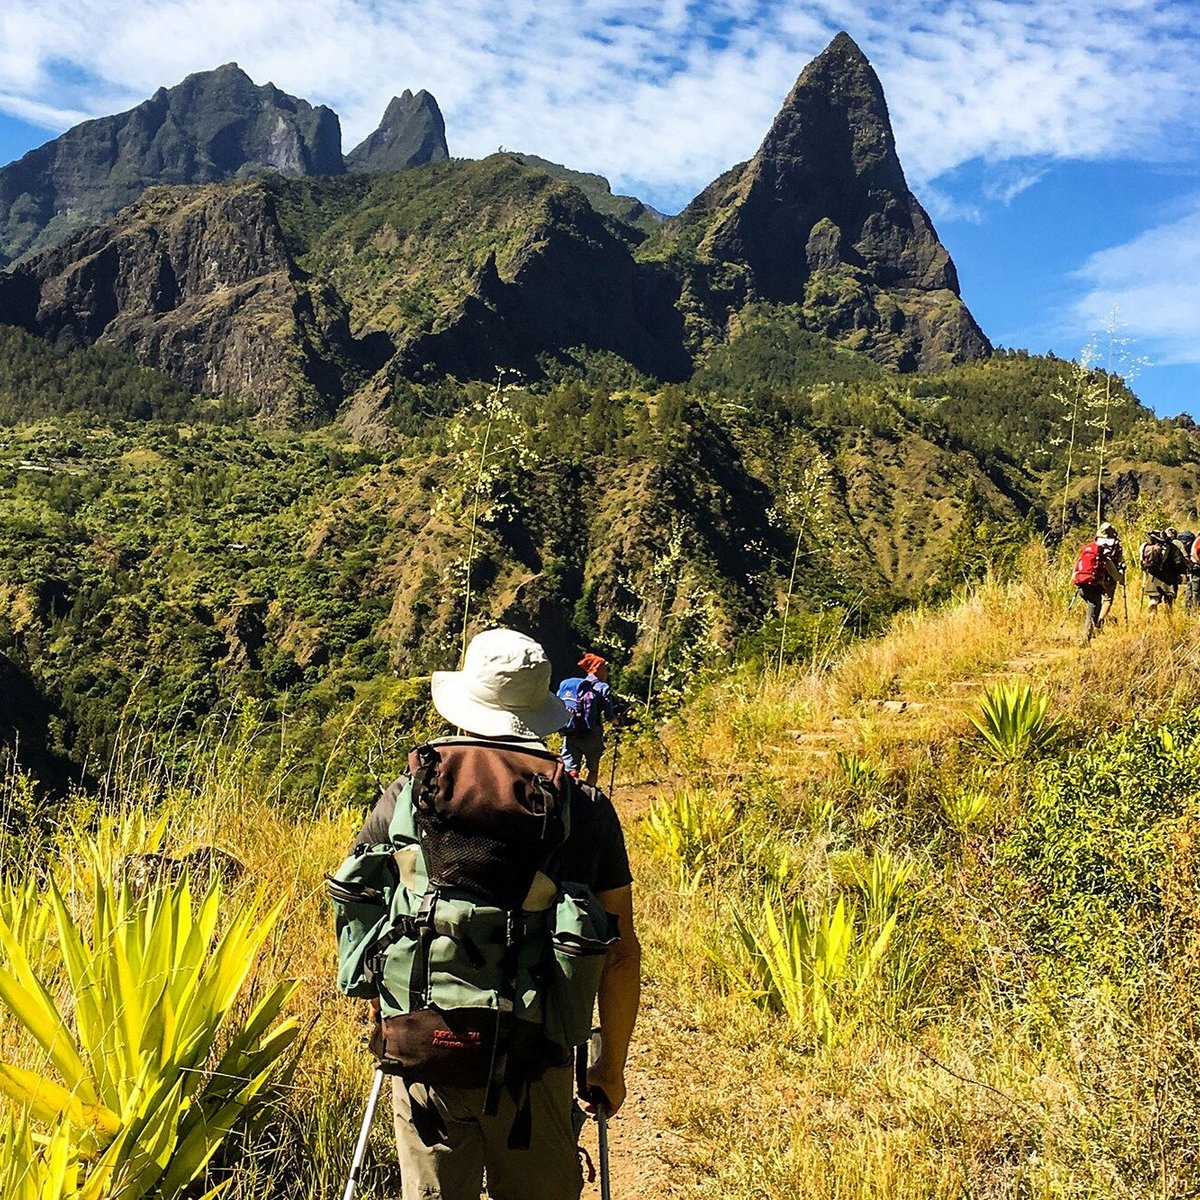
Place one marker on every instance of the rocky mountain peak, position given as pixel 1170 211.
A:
pixel 829 158
pixel 822 216
pixel 211 127
pixel 411 134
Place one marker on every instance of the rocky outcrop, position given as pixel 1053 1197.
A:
pixel 214 126
pixel 822 217
pixel 628 210
pixel 570 283
pixel 201 285
pixel 411 134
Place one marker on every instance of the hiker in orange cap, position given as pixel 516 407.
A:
pixel 589 701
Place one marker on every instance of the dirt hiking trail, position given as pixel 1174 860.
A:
pixel 646 1153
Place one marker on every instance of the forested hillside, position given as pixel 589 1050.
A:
pixel 163 558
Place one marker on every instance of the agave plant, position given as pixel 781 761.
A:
pixel 140 1097
pixel 864 779
pixel 1014 722
pixel 29 1171
pixel 809 970
pixel 689 831
pixel 964 808
pixel 885 883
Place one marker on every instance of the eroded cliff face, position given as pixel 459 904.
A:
pixel 822 217
pixel 214 126
pixel 567 282
pixel 201 285
pixel 291 313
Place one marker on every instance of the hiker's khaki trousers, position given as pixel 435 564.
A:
pixel 548 1170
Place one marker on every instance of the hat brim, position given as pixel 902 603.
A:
pixel 452 699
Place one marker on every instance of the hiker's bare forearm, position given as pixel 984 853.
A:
pixel 620 992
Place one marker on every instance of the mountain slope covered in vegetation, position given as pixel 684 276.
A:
pixel 304 297
pixel 164 556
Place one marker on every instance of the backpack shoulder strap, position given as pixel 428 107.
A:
pixel 406 845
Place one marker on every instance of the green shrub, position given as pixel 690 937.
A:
pixel 1087 856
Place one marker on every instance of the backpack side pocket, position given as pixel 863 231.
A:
pixel 360 891
pixel 581 933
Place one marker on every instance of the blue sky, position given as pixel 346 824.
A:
pixel 1056 146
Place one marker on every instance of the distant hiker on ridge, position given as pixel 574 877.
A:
pixel 1099 569
pixel 589 701
pixel 1164 564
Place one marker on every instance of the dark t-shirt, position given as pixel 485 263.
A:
pixel 594 853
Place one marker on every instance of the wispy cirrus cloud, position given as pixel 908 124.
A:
pixel 660 96
pixel 1152 283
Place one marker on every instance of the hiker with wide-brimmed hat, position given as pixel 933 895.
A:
pixel 486 906
pixel 1164 565
pixel 1114 553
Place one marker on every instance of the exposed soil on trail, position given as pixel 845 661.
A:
pixel 644 1149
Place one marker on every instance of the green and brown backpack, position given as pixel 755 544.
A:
pixel 485 961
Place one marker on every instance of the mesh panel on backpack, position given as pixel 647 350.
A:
pixel 478 864
pixel 487 819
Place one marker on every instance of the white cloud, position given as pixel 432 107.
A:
pixel 1006 184
pixel 660 96
pixel 1153 283
pixel 43 115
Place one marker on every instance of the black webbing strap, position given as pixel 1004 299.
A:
pixel 426 1120
pixel 496 1071
pixel 506 997
pixel 418 984
pixel 520 1133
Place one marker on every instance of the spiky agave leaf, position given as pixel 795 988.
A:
pixel 152 986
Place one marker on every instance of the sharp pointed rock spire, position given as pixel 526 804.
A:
pixel 411 134
pixel 823 212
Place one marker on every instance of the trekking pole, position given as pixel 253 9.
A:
pixel 1071 605
pixel 602 1143
pixel 586 1056
pixel 360 1150
pixel 612 774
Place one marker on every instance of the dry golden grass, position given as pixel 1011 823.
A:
pixel 963 1088
pixel 974 1096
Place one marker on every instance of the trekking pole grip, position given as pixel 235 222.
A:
pixel 587 1055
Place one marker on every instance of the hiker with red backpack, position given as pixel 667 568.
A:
pixel 589 702
pixel 485 908
pixel 1164 565
pixel 1099 569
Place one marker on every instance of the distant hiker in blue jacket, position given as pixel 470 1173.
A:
pixel 589 700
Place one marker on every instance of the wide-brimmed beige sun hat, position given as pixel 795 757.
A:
pixel 503 689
